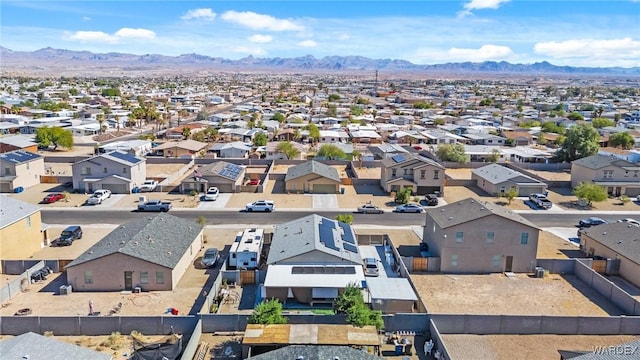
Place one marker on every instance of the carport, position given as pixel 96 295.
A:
pixel 391 295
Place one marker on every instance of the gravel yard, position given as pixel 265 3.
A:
pixel 456 193
pixel 551 246
pixel 522 295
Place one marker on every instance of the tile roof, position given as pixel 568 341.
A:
pixel 12 210
pixel 34 346
pixel 619 237
pixel 312 167
pixel 160 239
pixel 470 209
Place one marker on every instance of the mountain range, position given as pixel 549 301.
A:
pixel 51 59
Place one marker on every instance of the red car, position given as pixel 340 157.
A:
pixel 51 198
pixel 254 182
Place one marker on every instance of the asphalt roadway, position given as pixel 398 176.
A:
pixel 80 217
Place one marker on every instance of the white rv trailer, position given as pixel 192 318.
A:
pixel 245 251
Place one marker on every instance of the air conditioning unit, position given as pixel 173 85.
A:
pixel 137 290
pixel 65 290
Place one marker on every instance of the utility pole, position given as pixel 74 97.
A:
pixel 375 86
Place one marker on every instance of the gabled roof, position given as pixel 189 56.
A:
pixel 599 161
pixel 470 209
pixel 19 156
pixel 496 174
pixel 232 145
pixel 118 156
pixel 12 210
pixel 34 346
pixel 16 140
pixel 223 169
pixel 312 167
pixel 405 159
pixel 191 145
pixel 619 237
pixel 160 239
pixel 313 232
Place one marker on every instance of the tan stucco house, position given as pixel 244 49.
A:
pixel 619 177
pixel 471 236
pixel 117 171
pixel 227 177
pixel 181 149
pixel 615 241
pixel 22 232
pixel 150 253
pixel 312 177
pixel 421 174
pixel 20 169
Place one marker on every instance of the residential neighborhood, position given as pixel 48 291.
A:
pixel 299 186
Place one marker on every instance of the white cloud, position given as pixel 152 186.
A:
pixel 591 52
pixel 204 14
pixel 480 4
pixel 307 44
pixel 257 38
pixel 260 22
pixel 248 50
pixel 86 18
pixel 485 52
pixel 135 33
pixel 92 36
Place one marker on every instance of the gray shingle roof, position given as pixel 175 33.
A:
pixel 589 354
pixel 312 167
pixel 160 239
pixel 218 169
pixel 12 210
pixel 34 346
pixel 403 159
pixel 619 237
pixel 471 209
pixel 599 161
pixel 302 235
pixel 496 174
pixel 118 156
pixel 315 352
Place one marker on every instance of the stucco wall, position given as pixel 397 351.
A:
pixel 29 173
pixel 22 239
pixel 628 269
pixel 187 259
pixel 136 173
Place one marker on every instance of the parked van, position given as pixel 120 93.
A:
pixel 69 234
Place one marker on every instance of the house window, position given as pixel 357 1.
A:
pixel 124 170
pixel 496 261
pixel 423 174
pixel 405 171
pixel 393 172
pixel 88 277
pixel 454 260
pixel 524 238
pixel 436 174
pixel 85 171
pixel 7 171
pixel 459 236
pixel 626 173
pixel 28 221
pixel 144 277
pixel 159 277
pixel 490 236
pixel 607 174
pixel 104 170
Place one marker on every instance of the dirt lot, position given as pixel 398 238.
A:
pixel 90 236
pixel 368 172
pixel 461 174
pixel 162 170
pixel 553 175
pixel 527 347
pixel 522 295
pixel 282 201
pixel 351 199
pixel 565 199
pixel 551 246
pixel 456 193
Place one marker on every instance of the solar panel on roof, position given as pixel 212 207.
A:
pixel 397 158
pixel 350 247
pixel 125 156
pixel 347 235
pixel 325 228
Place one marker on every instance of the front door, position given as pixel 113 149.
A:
pixel 128 280
pixel 509 265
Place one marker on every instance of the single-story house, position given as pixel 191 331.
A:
pixel 150 253
pixel 272 152
pixel 34 346
pixel 20 169
pixel 236 149
pixel 181 149
pixel 312 177
pixel 134 147
pixel 227 177
pixel 496 179
pixel 17 142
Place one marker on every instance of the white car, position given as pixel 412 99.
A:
pixel 261 205
pixel 99 196
pixel 148 186
pixel 212 194
pixel 410 208
pixel 630 221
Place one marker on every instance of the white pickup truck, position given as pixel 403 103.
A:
pixel 98 197
pixel 148 186
pixel 154 205
pixel 541 201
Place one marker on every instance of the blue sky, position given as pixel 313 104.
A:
pixel 575 33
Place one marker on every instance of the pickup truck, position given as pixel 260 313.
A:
pixel 540 200
pixel 99 196
pixel 154 205
pixel 148 186
pixel 261 205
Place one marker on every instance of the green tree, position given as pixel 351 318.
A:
pixel 314 132
pixel 623 140
pixel 110 92
pixel 260 139
pixel 422 105
pixel 279 117
pixel 186 132
pixel 590 192
pixel 268 312
pixel 211 133
pixel 599 123
pixel 332 110
pixel 511 194
pixel 199 136
pixel 350 302
pixel 287 149
pixel 551 127
pixel 452 152
pixel 403 195
pixel 355 110
pixel 334 97
pixel 494 156
pixel 56 136
pixel 331 152
pixel 345 218
pixel 575 116
pixel 580 141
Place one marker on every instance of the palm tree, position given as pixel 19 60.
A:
pixel 186 132
pixel 116 117
pixel 182 113
pixel 100 118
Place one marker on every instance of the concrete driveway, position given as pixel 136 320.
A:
pixel 220 203
pixel 106 203
pixel 325 201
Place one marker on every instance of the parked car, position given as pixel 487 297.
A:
pixel 431 199
pixel 370 209
pixel 210 257
pixel 630 221
pixel 254 182
pixel 212 194
pixel 410 208
pixel 51 198
pixel 592 221
pixel 371 267
pixel 261 205
pixel 41 274
pixel 540 200
pixel 99 196
pixel 154 205
pixel 68 235
pixel 148 186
